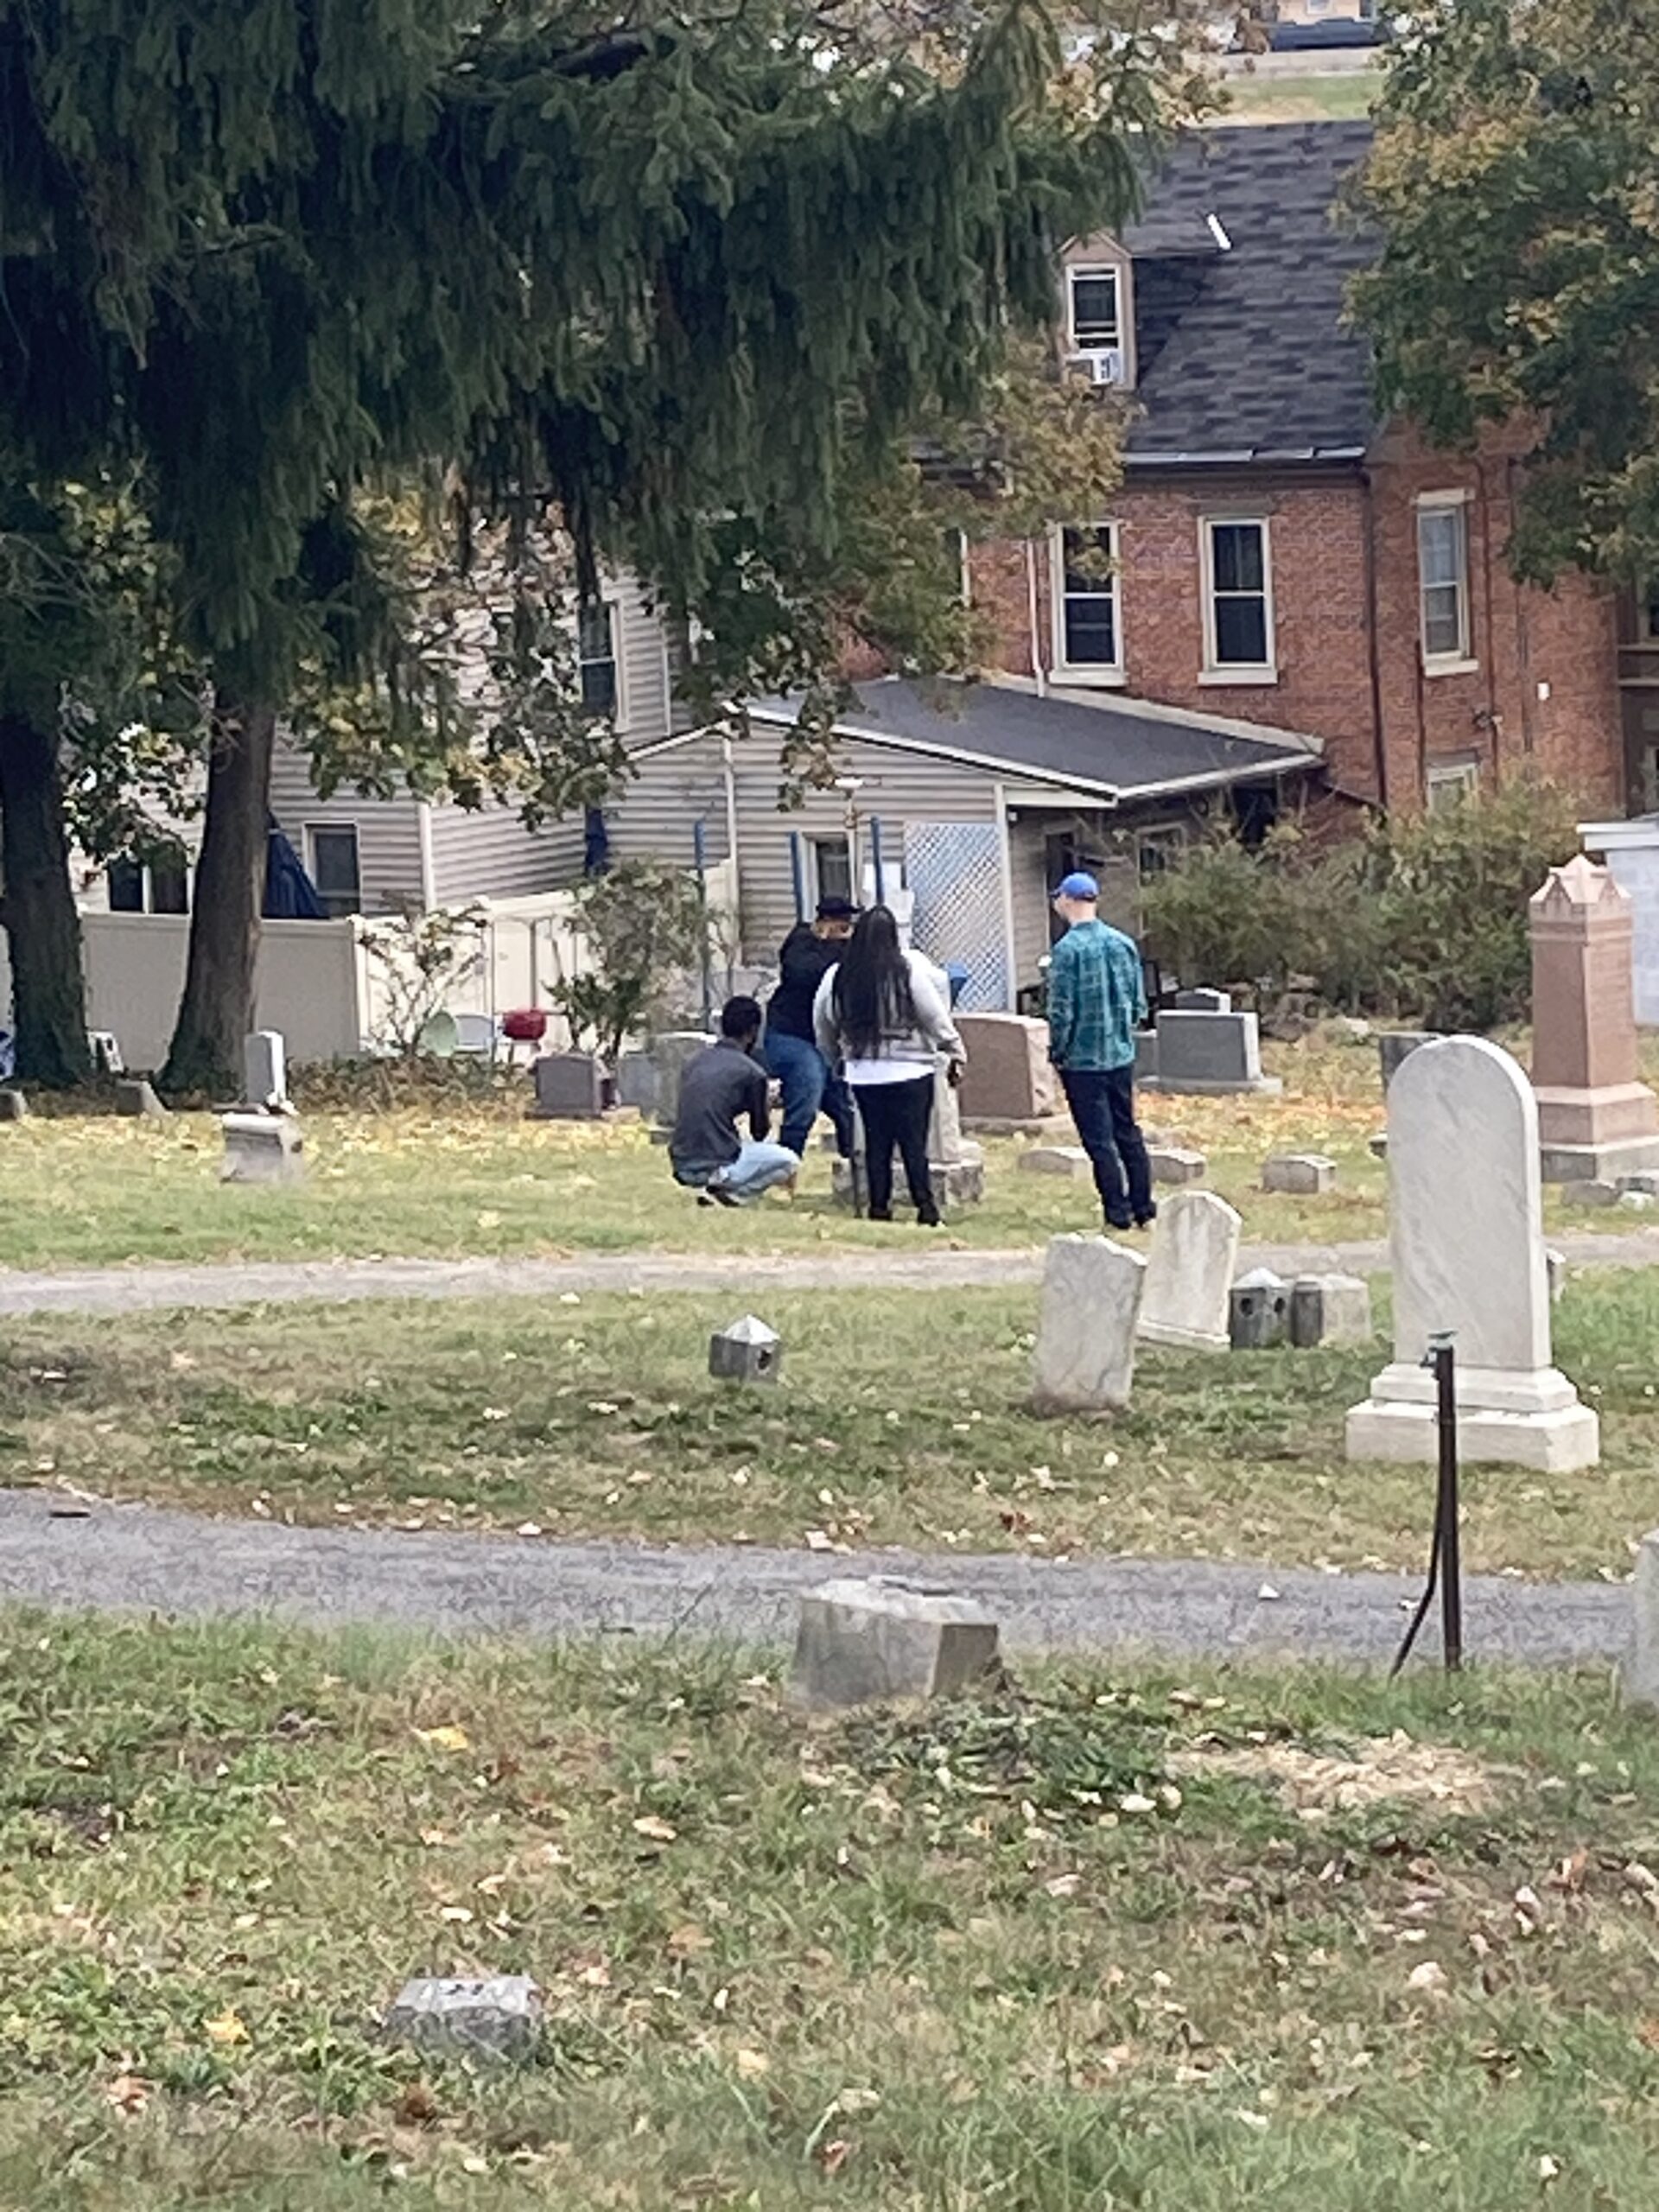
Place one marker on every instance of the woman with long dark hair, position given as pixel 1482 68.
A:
pixel 882 1013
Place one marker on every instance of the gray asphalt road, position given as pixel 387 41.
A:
pixel 128 1290
pixel 134 1558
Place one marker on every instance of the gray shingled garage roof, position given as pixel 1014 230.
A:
pixel 1124 751
pixel 1241 354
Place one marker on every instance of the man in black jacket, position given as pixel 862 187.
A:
pixel 807 954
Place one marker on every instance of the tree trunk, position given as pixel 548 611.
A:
pixel 37 905
pixel 216 1012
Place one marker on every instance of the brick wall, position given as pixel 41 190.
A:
pixel 1560 643
pixel 1327 687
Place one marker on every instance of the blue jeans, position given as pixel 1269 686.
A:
pixel 1103 1106
pixel 755 1170
pixel 809 1089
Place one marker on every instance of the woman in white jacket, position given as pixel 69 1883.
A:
pixel 881 1013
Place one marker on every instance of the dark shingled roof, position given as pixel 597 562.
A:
pixel 1125 749
pixel 1241 355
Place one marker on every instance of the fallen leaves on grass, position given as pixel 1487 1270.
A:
pixel 655 1829
pixel 447 1738
pixel 128 2093
pixel 225 2029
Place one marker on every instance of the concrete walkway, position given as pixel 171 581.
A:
pixel 136 1289
pixel 137 1558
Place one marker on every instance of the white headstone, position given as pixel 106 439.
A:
pixel 264 1068
pixel 1467 1247
pixel 1190 1272
pixel 1638 1677
pixel 1085 1337
pixel 262 1149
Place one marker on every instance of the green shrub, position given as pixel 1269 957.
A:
pixel 1423 918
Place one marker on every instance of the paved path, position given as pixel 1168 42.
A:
pixel 133 1289
pixel 123 1558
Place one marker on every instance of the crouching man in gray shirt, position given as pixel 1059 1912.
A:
pixel 724 1084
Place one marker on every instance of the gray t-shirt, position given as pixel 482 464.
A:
pixel 716 1090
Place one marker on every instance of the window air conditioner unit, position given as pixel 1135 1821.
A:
pixel 1100 364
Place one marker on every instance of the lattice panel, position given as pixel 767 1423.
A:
pixel 954 872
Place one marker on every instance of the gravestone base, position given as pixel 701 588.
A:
pixel 1509 1418
pixel 1261 1086
pixel 957 1183
pixel 1597 1163
pixel 1049 1126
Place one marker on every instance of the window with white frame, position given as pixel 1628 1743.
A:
pixel 1088 637
pixel 596 657
pixel 1238 598
pixel 331 850
pixel 1451 783
pixel 1093 313
pixel 1443 579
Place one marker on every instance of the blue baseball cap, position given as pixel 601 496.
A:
pixel 1079 885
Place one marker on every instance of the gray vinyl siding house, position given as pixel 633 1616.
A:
pixel 978 796
pixel 409 853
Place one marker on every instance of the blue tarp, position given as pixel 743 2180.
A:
pixel 290 895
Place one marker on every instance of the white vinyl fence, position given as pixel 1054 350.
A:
pixel 317 982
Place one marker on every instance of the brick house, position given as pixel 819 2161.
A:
pixel 1279 550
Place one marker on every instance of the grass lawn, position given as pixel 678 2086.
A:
pixel 1319 96
pixel 901 1420
pixel 1155 1944
pixel 475 1178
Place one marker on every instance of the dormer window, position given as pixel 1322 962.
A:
pixel 1093 303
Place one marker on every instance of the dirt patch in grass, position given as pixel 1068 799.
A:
pixel 1391 1769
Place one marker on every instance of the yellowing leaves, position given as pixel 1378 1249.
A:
pixel 655 1829
pixel 447 1738
pixel 226 2030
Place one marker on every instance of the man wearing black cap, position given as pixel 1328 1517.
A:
pixel 805 958
pixel 1096 994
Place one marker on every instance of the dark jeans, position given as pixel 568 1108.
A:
pixel 1103 1106
pixel 809 1089
pixel 897 1114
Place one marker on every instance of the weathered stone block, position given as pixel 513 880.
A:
pixel 1171 1163
pixel 137 1098
pixel 1069 1160
pixel 14 1106
pixel 569 1087
pixel 1007 1077
pixel 1211 1054
pixel 1258 1311
pixel 747 1352
pixel 870 1641
pixel 1596 1193
pixel 262 1149
pixel 1329 1310
pixel 1085 1332
pixel 498 2016
pixel 1299 1174
pixel 1204 1001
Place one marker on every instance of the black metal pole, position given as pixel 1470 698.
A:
pixel 1446 1510
pixel 1445 1557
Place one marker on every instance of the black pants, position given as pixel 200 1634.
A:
pixel 1103 1106
pixel 897 1114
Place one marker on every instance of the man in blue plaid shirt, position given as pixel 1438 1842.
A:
pixel 1096 994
